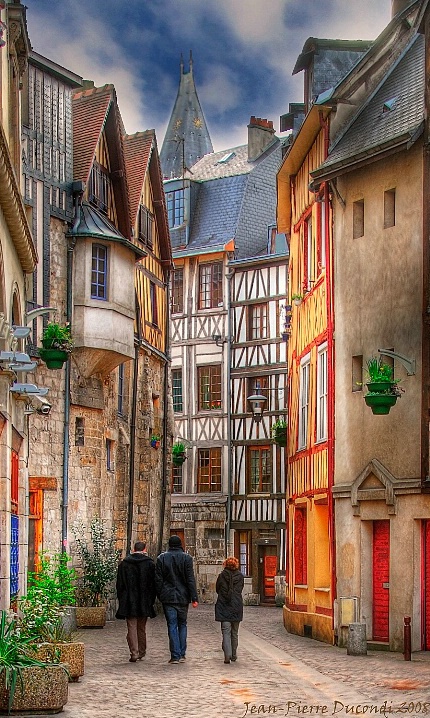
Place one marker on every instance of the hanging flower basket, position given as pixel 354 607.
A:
pixel 178 453
pixel 279 432
pixel 155 441
pixel 53 358
pixel 380 403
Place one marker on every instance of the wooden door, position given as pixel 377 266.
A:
pixel 269 572
pixel 381 577
pixel 181 534
pixel 426 587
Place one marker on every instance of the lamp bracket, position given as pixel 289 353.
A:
pixel 38 312
pixel 409 364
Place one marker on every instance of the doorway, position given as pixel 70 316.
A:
pixel 426 586
pixel 381 578
pixel 268 560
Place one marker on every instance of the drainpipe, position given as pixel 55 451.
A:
pixel 66 431
pixel 133 438
pixel 229 276
pixel 164 481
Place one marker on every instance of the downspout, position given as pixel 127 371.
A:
pixel 67 379
pixel 133 433
pixel 425 397
pixel 329 252
pixel 229 276
pixel 164 479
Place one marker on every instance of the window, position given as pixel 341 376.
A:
pixel 177 480
pixel 257 322
pixel 99 187
pixel 121 389
pixel 322 394
pixel 145 226
pixel 154 306
pixel 209 470
pixel 300 547
pixel 99 272
pixel 242 551
pixel 177 390
pixel 357 372
pixel 178 291
pixel 209 379
pixel 309 253
pixel 210 285
pixel 110 466
pixel 389 208
pixel 79 431
pixel 358 219
pixel 259 470
pixel 304 402
pixel 175 207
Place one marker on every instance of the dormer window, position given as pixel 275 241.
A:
pixel 175 207
pixel 146 226
pixel 99 190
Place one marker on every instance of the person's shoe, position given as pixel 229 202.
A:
pixel 182 659
pixel 133 659
pixel 173 660
pixel 226 660
pixel 233 659
pixel 141 655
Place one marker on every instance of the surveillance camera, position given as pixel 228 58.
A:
pixel 41 404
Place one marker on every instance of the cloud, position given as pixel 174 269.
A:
pixel 221 90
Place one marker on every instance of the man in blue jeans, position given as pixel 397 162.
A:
pixel 176 589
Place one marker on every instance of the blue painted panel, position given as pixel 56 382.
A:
pixel 14 555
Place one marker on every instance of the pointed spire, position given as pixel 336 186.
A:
pixel 187 137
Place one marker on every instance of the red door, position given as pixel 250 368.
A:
pixel 381 577
pixel 427 585
pixel 270 564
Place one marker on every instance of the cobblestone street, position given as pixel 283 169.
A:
pixel 276 674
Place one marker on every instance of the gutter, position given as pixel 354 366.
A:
pixel 164 477
pixel 229 276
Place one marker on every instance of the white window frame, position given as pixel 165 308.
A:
pixel 305 366
pixel 322 392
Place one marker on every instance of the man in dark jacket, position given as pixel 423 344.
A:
pixel 176 588
pixel 135 588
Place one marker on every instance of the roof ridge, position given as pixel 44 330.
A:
pixel 107 88
pixel 140 133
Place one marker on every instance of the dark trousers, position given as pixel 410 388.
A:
pixel 136 636
pixel 230 631
pixel 176 619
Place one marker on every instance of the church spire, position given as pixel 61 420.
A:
pixel 187 137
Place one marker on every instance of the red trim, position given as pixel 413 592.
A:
pixel 324 611
pixel 297 607
pixel 303 453
pixel 303 218
pixel 307 494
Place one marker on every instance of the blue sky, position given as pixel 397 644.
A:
pixel 244 52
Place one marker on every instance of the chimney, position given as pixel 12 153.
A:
pixel 260 134
pixel 399 5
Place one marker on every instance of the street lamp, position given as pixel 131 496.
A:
pixel 257 402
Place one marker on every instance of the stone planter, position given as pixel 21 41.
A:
pixel 72 654
pixel 90 616
pixel 44 690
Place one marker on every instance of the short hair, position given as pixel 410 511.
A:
pixel 140 546
pixel 175 541
pixel 231 562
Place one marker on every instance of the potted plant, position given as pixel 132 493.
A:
pixel 27 684
pixel 178 453
pixel 155 441
pixel 383 390
pixel 57 644
pixel 57 344
pixel 279 432
pixel 99 560
pixel 297 299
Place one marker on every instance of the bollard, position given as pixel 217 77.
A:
pixel 407 638
pixel 357 640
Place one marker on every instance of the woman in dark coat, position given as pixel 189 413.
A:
pixel 229 606
pixel 135 588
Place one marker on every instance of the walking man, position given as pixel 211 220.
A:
pixel 176 589
pixel 135 588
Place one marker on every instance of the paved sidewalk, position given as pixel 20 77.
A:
pixel 276 674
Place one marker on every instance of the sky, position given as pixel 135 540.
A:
pixel 243 51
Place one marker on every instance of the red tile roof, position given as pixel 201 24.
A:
pixel 137 152
pixel 90 109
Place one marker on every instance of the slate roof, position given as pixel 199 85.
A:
pixel 92 223
pixel 90 109
pixel 372 128
pixel 137 151
pixel 186 122
pixel 210 167
pixel 217 212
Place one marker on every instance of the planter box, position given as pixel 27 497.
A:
pixel 90 616
pixel 45 690
pixel 72 654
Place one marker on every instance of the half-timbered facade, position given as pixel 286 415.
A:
pixel 256 497
pixel 220 211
